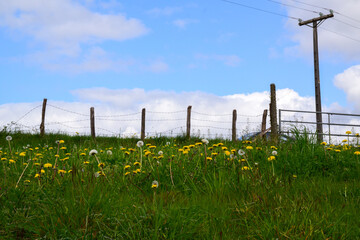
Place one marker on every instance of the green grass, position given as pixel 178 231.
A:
pixel 309 191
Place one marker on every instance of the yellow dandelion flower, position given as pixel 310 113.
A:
pixel 245 168
pixel 12 161
pixel 127 173
pixel 209 158
pixel 63 148
pixel 227 153
pixel 101 165
pixel 37 175
pixel 26 181
pixel 62 171
pixel 136 164
pixel 86 162
pixel 127 166
pixel 357 152
pixel 249 148
pixel 271 158
pixel 22 154
pixel 61 141
pixel 348 132
pixel 82 154
pixel 47 165
pixel 42 171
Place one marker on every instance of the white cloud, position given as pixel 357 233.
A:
pixel 229 60
pixel 66 29
pixel 119 111
pixel 331 44
pixel 166 11
pixel 182 23
pixel 349 82
pixel 157 66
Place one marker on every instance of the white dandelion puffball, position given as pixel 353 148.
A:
pixel 241 152
pixel 8 138
pixel 274 153
pixel 93 152
pixel 205 141
pixel 140 143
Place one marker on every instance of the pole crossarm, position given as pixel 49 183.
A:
pixel 318 19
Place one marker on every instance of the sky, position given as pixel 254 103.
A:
pixel 216 55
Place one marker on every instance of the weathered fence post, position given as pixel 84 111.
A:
pixel 234 125
pixel 273 112
pixel 42 125
pixel 143 124
pixel 188 122
pixel 263 123
pixel 92 123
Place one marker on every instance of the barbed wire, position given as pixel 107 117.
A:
pixel 162 120
pixel 69 111
pixel 203 120
pixel 210 127
pixel 119 120
pixel 213 115
pixel 180 111
pixel 27 113
pixel 52 123
pixel 119 115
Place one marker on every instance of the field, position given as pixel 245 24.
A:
pixel 63 187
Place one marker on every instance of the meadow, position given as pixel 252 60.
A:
pixel 69 187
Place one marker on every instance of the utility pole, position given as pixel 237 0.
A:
pixel 315 23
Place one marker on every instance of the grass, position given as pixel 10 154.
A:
pixel 310 191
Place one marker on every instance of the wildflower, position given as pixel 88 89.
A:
pixel 26 181
pixel 245 168
pixel 154 184
pixel 348 132
pixel 223 148
pixel 12 161
pixel 357 152
pixel 61 141
pixel 47 165
pixel 109 152
pixel 136 164
pixel 8 138
pixel 127 166
pixel 101 165
pixel 274 153
pixel 205 141
pixel 273 147
pixel 294 176
pixel 258 148
pixel 3 159
pixel 42 171
pixel 127 173
pixel 337 150
pixel 209 158
pixel 37 175
pixel 227 153
pixel 271 158
pixel 152 146
pixel 86 162
pixel 167 143
pixel 241 152
pixel 249 148
pixel 160 153
pixel 93 152
pixel 323 143
pixel 63 148
pixel 140 144
pixel 22 154
pixel 344 140
pixel 214 154
pixel 62 171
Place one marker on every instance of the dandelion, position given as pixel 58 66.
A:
pixel 93 152
pixel 348 132
pixel 271 158
pixel 8 138
pixel 37 175
pixel 101 165
pixel 249 148
pixel 160 153
pixel 205 141
pixel 154 184
pixel 274 153
pixel 22 154
pixel 109 152
pixel 241 152
pixel 323 143
pixel 61 141
pixel 245 168
pixel 137 164
pixel 62 171
pixel 127 166
pixel 12 161
pixel 273 147
pixel 47 165
pixel 140 144
pixel 357 152
pixel 127 173
pixel 294 176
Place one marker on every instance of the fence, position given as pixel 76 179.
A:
pixel 187 122
pixel 336 124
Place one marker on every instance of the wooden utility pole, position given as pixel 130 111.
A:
pixel 42 125
pixel 263 123
pixel 315 23
pixel 234 125
pixel 143 124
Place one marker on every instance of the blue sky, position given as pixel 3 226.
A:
pixel 56 49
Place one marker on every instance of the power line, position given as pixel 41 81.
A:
pixel 340 34
pixel 346 23
pixel 292 6
pixel 327 9
pixel 260 9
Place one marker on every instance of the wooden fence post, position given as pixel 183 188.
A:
pixel 234 125
pixel 42 125
pixel 143 124
pixel 263 123
pixel 188 122
pixel 273 112
pixel 92 123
